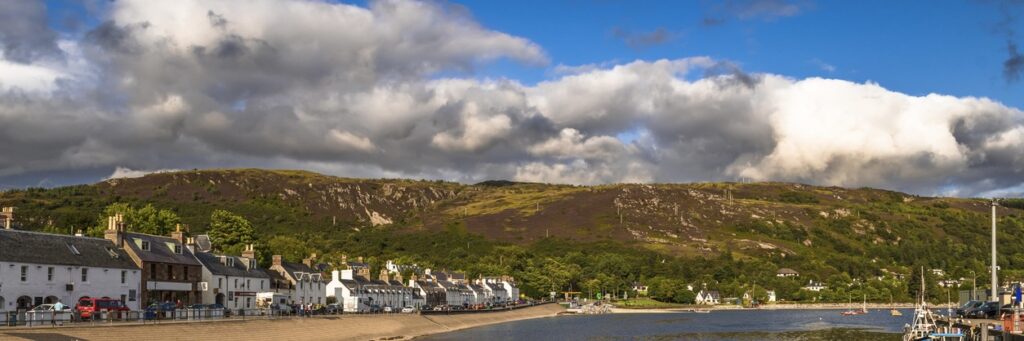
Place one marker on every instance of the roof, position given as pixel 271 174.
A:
pixel 292 268
pixel 787 271
pixel 159 249
pixel 46 248
pixel 216 266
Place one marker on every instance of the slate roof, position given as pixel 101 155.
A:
pixel 787 271
pixel 158 252
pixel 45 248
pixel 292 268
pixel 213 263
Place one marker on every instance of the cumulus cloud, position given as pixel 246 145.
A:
pixel 358 91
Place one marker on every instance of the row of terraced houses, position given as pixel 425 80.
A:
pixel 141 269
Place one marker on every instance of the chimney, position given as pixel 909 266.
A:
pixel 360 259
pixel 190 244
pixel 398 277
pixel 177 234
pixel 79 233
pixel 335 275
pixel 7 213
pixel 344 259
pixel 250 252
pixel 384 275
pixel 364 272
pixel 276 260
pixel 309 261
pixel 346 274
pixel 115 230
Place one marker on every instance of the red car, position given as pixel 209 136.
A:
pixel 88 306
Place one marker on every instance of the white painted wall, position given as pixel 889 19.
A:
pixel 227 285
pixel 100 282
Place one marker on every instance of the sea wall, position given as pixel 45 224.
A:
pixel 344 327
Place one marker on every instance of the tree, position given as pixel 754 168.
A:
pixel 148 219
pixel 230 232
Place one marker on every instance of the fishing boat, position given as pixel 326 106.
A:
pixel 924 327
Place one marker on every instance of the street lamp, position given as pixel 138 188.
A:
pixel 995 280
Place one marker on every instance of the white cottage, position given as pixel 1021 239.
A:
pixel 39 268
pixel 231 281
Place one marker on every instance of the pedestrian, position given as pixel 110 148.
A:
pixel 57 308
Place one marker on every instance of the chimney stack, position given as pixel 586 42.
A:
pixel 115 230
pixel 310 261
pixel 364 272
pixel 384 276
pixel 344 259
pixel 8 216
pixel 276 260
pixel 250 252
pixel 177 234
pixel 398 277
pixel 360 259
pixel 190 244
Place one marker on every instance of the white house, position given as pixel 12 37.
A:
pixel 348 290
pixel 787 272
pixel 232 281
pixel 771 296
pixel 814 286
pixel 38 268
pixel 308 285
pixel 708 297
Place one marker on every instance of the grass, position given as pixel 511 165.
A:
pixel 646 303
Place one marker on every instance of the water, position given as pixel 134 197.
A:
pixel 718 325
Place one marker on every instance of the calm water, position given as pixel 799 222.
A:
pixel 718 325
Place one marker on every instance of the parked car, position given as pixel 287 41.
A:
pixel 375 308
pixel 962 310
pixel 388 309
pixel 333 308
pixel 986 310
pixel 87 307
pixel 408 310
pixel 48 307
pixel 196 306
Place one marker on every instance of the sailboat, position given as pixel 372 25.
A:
pixel 893 311
pixel 924 327
pixel 861 311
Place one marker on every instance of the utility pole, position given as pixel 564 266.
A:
pixel 995 280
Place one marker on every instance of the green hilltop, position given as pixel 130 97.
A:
pixel 731 237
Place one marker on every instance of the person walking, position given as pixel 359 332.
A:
pixel 57 308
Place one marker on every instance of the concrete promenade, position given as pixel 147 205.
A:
pixel 343 327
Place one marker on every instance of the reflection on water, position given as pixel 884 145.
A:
pixel 797 325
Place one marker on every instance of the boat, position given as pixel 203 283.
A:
pixel 863 310
pixel 924 327
pixel 893 311
pixel 702 311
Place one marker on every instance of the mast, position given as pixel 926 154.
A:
pixel 995 280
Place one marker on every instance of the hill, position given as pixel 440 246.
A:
pixel 733 235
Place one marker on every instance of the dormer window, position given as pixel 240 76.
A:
pixel 230 261
pixel 177 248
pixel 145 245
pixel 73 249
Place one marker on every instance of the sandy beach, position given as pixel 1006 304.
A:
pixel 346 327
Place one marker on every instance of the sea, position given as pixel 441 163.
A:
pixel 717 325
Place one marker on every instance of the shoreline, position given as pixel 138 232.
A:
pixel 343 327
pixel 816 306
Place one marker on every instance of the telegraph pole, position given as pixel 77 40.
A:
pixel 995 280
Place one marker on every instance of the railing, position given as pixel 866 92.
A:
pixel 68 318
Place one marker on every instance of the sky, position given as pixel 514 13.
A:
pixel 923 97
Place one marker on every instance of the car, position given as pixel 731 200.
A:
pixel 962 310
pixel 333 308
pixel 985 311
pixel 196 306
pixel 408 310
pixel 87 306
pixel 48 307
pixel 375 308
pixel 388 309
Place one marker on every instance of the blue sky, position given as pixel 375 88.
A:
pixel 948 47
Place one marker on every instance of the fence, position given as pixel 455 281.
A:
pixel 67 318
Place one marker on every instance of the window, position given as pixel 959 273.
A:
pixel 73 249
pixel 124 278
pixel 170 271
pixel 152 270
pixel 177 248
pixel 230 261
pixel 49 274
pixel 247 285
pixel 236 283
pixel 85 275
pixel 261 285
pixel 124 298
pixel 24 273
pixel 145 245
pixel 220 283
pixel 131 295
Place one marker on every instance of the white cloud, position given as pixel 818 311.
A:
pixel 127 173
